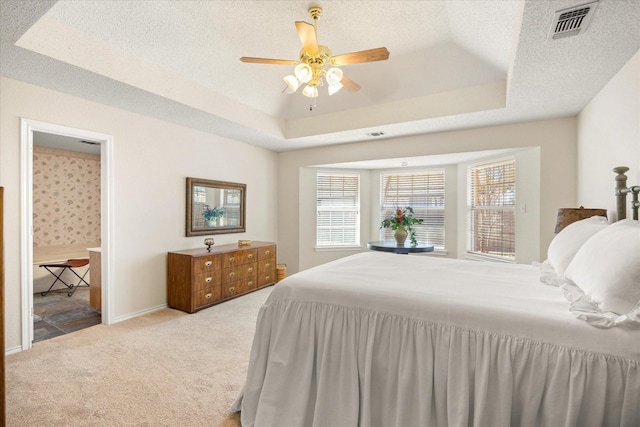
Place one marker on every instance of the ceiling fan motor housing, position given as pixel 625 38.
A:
pixel 317 63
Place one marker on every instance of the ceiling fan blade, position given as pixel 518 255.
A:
pixel 349 85
pixel 370 55
pixel 307 33
pixel 268 61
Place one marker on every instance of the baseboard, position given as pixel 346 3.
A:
pixel 139 313
pixel 13 350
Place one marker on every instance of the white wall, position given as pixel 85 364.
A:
pixel 609 136
pixel 555 183
pixel 151 161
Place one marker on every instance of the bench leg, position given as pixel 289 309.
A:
pixel 58 278
pixel 73 288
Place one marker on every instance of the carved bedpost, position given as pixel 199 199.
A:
pixel 621 197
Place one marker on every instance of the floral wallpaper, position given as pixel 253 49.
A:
pixel 66 197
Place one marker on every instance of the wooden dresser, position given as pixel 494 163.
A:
pixel 197 279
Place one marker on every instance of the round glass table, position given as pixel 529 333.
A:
pixel 406 248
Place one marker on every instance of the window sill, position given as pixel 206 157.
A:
pixel 338 248
pixel 438 252
pixel 487 258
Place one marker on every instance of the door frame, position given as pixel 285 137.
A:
pixel 27 127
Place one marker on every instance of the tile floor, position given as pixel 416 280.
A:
pixel 58 314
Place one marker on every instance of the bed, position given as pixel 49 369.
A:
pixel 379 339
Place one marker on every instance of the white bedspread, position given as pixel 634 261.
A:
pixel 379 339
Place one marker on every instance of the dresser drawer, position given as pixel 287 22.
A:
pixel 232 274
pixel 266 252
pixel 239 257
pixel 206 263
pixel 207 296
pixel 206 280
pixel 267 265
pixel 238 287
pixel 266 278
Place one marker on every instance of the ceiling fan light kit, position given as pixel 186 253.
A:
pixel 334 76
pixel 292 82
pixel 317 64
pixel 310 91
pixel 303 72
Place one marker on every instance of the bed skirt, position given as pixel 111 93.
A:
pixel 377 369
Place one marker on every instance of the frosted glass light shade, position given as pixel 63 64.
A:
pixel 310 91
pixel 292 82
pixel 334 88
pixel 303 72
pixel 334 75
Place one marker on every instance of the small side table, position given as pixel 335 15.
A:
pixel 393 246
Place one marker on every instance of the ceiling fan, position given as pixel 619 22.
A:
pixel 316 61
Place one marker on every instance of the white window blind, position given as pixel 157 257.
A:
pixel 424 192
pixel 338 210
pixel 492 209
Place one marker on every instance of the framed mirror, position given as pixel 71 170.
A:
pixel 215 207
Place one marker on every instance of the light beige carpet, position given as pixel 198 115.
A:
pixel 166 368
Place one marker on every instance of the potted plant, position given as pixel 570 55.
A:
pixel 402 222
pixel 211 215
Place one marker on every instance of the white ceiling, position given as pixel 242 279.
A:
pixel 67 143
pixel 454 64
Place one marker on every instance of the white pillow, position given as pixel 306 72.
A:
pixel 607 268
pixel 566 244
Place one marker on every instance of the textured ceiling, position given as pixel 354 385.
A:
pixel 453 64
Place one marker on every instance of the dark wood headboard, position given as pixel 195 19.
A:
pixel 621 194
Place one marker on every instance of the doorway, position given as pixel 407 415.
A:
pixel 66 226
pixel 29 130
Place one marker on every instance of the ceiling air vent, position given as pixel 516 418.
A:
pixel 572 21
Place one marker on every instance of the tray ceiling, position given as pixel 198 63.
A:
pixel 453 64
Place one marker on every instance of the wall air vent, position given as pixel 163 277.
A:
pixel 572 21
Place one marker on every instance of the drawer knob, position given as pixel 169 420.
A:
pixel 232 259
pixel 208 296
pixel 232 274
pixel 267 265
pixel 250 270
pixel 267 252
pixel 208 263
pixel 268 277
pixel 232 288
pixel 250 284
pixel 250 256
pixel 208 279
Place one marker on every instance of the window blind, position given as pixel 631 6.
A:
pixel 338 210
pixel 491 209
pixel 424 192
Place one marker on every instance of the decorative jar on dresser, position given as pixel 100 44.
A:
pixel 197 279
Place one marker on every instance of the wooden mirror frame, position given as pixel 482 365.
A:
pixel 194 207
